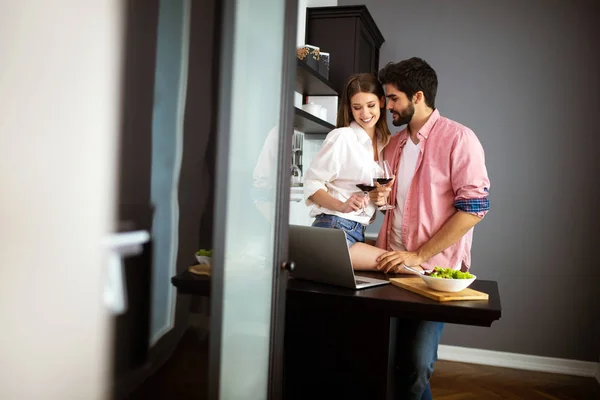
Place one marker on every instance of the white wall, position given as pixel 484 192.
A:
pixel 302 4
pixel 59 96
pixel 298 211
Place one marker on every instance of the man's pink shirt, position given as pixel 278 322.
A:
pixel 450 171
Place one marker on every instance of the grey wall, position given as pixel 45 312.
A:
pixel 524 76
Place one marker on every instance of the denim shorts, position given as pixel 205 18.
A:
pixel 355 231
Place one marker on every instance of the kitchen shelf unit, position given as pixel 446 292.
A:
pixel 310 83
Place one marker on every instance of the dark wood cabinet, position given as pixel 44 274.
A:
pixel 350 35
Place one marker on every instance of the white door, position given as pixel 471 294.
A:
pixel 60 74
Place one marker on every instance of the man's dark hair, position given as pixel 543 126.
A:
pixel 410 76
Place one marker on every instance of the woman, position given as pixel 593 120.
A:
pixel 349 153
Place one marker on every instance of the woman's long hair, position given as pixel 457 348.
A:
pixel 362 83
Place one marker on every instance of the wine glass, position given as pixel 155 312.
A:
pixel 384 176
pixel 366 185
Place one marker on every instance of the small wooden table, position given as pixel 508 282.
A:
pixel 339 342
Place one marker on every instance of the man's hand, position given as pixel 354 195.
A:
pixel 354 203
pixel 393 262
pixel 379 196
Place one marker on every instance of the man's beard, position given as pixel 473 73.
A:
pixel 405 116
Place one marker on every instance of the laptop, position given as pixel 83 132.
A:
pixel 321 255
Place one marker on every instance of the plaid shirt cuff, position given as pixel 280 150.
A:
pixel 474 206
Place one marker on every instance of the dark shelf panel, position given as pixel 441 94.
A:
pixel 188 283
pixel 310 83
pixel 309 124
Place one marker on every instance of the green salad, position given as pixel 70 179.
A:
pixel 449 273
pixel 203 252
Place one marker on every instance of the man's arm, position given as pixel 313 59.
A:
pixel 451 232
pixel 470 184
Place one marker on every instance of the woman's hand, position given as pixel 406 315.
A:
pixel 354 203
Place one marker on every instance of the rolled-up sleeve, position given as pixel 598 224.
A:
pixel 470 180
pixel 324 168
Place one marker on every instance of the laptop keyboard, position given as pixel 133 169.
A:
pixel 359 282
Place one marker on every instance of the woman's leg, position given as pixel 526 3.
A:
pixel 364 256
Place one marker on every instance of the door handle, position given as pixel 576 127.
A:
pixel 288 265
pixel 119 246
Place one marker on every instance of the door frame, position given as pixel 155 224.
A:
pixel 224 40
pixel 223 65
pixel 282 205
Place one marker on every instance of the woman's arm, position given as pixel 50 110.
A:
pixel 324 168
pixel 354 203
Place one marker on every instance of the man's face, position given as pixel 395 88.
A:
pixel 398 104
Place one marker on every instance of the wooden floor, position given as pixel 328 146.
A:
pixel 184 377
pixel 458 381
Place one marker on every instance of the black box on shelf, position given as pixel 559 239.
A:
pixel 324 65
pixel 310 55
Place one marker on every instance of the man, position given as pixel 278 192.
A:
pixel 440 193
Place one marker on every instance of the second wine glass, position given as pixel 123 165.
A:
pixel 384 176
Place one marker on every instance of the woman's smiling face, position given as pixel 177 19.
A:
pixel 366 109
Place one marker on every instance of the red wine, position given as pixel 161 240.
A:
pixel 365 187
pixel 383 181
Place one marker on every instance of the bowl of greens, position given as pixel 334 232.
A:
pixel 448 279
pixel 204 256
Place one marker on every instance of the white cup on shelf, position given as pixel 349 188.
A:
pixel 313 109
pixel 323 113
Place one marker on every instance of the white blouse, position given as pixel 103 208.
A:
pixel 344 159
